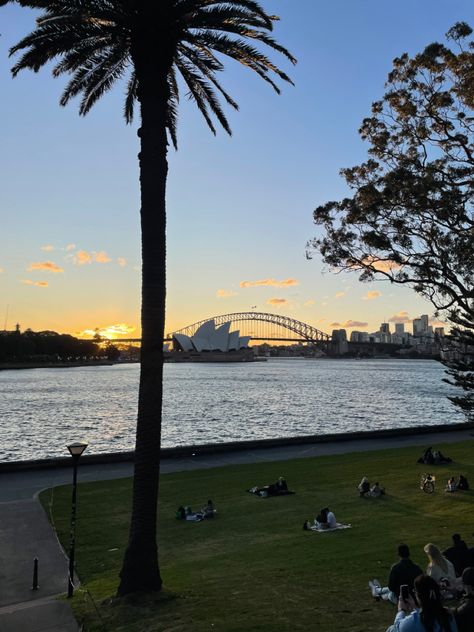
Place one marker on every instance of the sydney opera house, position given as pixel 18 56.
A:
pixel 208 338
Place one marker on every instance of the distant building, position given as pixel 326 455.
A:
pixel 439 331
pixel 208 338
pixel 385 328
pixel 399 329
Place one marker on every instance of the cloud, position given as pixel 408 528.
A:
pixel 309 302
pixel 70 247
pixel 82 257
pixel 46 266
pixel 350 324
pixel 277 301
pixel 36 283
pixel 270 282
pixel 47 248
pixel 401 317
pixel 381 266
pixel 339 294
pixel 101 257
pixel 370 296
pixel 122 262
pixel 110 331
pixel 225 293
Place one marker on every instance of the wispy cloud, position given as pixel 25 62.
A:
pixel 225 293
pixel 309 302
pixel 101 257
pixel 270 282
pixel 371 295
pixel 350 324
pixel 382 266
pixel 110 331
pixel 122 262
pixel 83 257
pixel 277 301
pixel 35 283
pixel 70 247
pixel 339 294
pixel 47 248
pixel 401 317
pixel 46 266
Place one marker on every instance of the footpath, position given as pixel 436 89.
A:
pixel 25 532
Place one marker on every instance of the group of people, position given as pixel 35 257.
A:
pixel 206 512
pixel 418 595
pixel 368 491
pixel 280 488
pixel 434 457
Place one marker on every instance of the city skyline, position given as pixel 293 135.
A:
pixel 239 209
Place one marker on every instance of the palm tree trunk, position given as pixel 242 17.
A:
pixel 140 571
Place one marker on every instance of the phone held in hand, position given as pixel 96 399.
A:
pixel 404 592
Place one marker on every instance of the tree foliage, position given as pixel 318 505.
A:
pixel 410 217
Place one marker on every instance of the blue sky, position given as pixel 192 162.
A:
pixel 239 209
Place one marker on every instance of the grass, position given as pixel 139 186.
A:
pixel 253 567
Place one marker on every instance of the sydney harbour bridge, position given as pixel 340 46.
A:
pixel 260 326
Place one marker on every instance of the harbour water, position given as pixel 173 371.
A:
pixel 41 410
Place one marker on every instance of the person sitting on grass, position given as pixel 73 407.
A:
pixel 376 491
pixel 441 570
pixel 403 572
pixel 364 486
pixel 463 485
pixel 430 616
pixel 458 554
pixel 464 612
pixel 326 519
pixel 451 485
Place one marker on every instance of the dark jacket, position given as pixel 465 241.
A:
pixel 464 614
pixel 459 556
pixel 403 572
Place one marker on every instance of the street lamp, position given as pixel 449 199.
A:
pixel 75 450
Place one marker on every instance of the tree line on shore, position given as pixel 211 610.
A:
pixel 50 346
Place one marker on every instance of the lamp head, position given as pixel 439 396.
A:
pixel 76 449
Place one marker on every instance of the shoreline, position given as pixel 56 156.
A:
pixel 210 449
pixel 20 366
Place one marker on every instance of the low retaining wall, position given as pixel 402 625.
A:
pixel 237 446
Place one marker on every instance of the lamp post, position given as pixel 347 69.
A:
pixel 75 450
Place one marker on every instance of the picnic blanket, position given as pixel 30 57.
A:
pixel 262 492
pixel 339 525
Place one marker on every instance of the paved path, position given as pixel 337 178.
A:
pixel 25 532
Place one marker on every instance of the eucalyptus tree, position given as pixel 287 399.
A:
pixel 158 48
pixel 410 217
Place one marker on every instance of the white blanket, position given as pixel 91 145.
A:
pixel 339 525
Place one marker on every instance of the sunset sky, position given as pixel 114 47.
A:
pixel 239 208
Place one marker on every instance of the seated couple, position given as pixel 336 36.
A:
pixel 453 485
pixel 280 488
pixel 365 490
pixel 404 572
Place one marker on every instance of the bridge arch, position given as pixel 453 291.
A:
pixel 306 332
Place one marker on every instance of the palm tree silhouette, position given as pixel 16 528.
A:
pixel 147 43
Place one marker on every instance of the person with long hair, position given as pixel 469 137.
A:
pixel 430 616
pixel 441 569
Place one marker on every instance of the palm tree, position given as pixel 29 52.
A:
pixel 148 43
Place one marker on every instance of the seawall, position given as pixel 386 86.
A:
pixel 180 452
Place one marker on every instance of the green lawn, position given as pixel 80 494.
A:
pixel 253 567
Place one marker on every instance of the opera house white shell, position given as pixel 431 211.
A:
pixel 209 338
